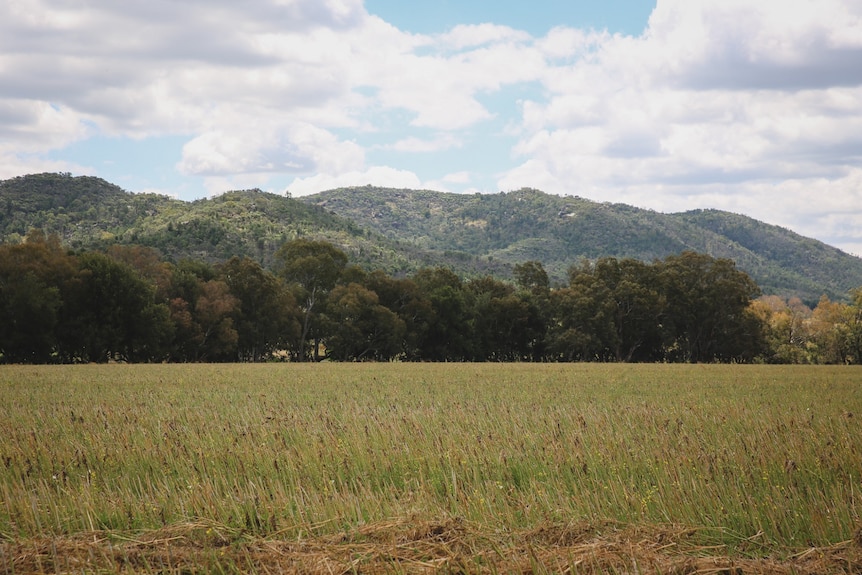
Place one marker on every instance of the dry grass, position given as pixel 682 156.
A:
pixel 411 545
pixel 493 468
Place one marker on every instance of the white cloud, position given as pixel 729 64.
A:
pixel 148 68
pixel 15 165
pixel 568 43
pixel 30 126
pixel 473 35
pixel 457 177
pixel 418 145
pixel 279 148
pixel 382 176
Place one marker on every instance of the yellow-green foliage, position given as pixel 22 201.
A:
pixel 752 454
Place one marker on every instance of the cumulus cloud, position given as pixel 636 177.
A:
pixel 28 129
pixel 414 144
pixel 382 176
pixel 762 45
pixel 462 177
pixel 469 36
pixel 282 148
pixel 31 126
pixel 147 68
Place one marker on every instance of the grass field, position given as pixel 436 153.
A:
pixel 426 467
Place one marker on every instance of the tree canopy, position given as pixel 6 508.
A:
pixel 128 303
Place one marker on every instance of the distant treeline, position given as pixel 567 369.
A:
pixel 128 304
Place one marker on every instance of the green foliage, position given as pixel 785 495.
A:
pixel 266 319
pixel 132 302
pixel 401 231
pixel 511 228
pixel 128 305
pixel 89 213
pixel 532 276
pixel 361 327
pixel 507 325
pixel 30 297
pixel 707 309
pixel 311 268
pixel 625 308
pixel 777 258
pixel 448 334
pixel 115 314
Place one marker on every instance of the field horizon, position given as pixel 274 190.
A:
pixel 430 467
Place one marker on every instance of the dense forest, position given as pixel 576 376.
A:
pixel 403 231
pixel 129 303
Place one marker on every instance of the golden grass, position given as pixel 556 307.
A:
pixel 366 466
pixel 414 546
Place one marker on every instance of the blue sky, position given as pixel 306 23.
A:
pixel 536 17
pixel 751 107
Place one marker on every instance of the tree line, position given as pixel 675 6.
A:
pixel 128 304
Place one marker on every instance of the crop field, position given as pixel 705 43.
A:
pixel 414 468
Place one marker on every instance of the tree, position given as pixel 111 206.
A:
pixel 185 287
pixel 214 310
pixel 403 296
pixel 506 325
pixel 785 328
pixel 112 314
pixel 362 328
pixel 532 276
pixel 708 309
pixel 635 306
pixel 266 318
pixel 147 262
pixel 832 328
pixel 32 276
pixel 448 333
pixel 535 291
pixel 313 268
pixel 854 327
pixel 570 334
pixel 584 315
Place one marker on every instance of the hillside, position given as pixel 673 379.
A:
pixel 401 230
pixel 88 212
pixel 559 231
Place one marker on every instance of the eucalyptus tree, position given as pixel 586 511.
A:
pixel 33 276
pixel 111 313
pixel 708 311
pixel 266 317
pixel 448 335
pixel 312 268
pixel 362 328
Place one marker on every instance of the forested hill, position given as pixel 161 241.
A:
pixel 558 231
pixel 400 231
pixel 88 213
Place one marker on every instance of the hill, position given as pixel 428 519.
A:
pixel 88 212
pixel 562 230
pixel 400 231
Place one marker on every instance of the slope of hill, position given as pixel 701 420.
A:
pixel 400 231
pixel 88 212
pixel 560 231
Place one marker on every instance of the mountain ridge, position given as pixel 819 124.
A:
pixel 400 230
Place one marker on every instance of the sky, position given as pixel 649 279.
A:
pixel 750 107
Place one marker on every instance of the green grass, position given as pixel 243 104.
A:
pixel 752 456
